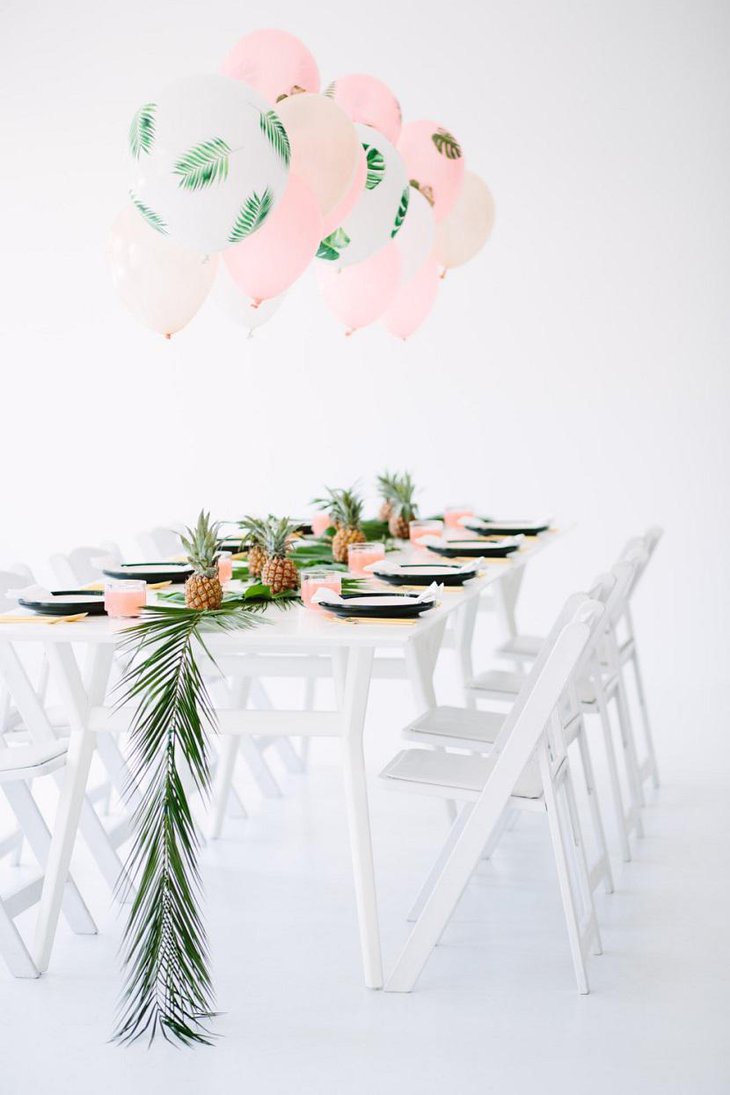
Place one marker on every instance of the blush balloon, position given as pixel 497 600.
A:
pixel 271 260
pixel 435 163
pixel 368 100
pixel 463 233
pixel 413 301
pixel 274 63
pixel 359 294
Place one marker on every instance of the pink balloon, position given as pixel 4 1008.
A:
pixel 413 301
pixel 335 218
pixel 274 63
pixel 368 100
pixel 360 293
pixel 270 260
pixel 435 163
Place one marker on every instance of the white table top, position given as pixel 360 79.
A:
pixel 295 628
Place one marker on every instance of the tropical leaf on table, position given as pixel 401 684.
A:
pixel 153 219
pixel 252 215
pixel 402 210
pixel 204 165
pixel 446 144
pixel 142 130
pixel 273 129
pixel 168 988
pixel 376 166
pixel 331 245
pixel 427 191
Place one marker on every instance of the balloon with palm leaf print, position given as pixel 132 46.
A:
pixel 381 209
pixel 210 162
pixel 435 163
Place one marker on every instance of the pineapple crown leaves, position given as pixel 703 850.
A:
pixel 255 527
pixel 142 130
pixel 343 505
pixel 387 483
pixel 201 545
pixel 204 164
pixel 403 496
pixel 278 532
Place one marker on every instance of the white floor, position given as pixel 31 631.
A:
pixel 496 1010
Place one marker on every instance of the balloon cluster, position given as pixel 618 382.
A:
pixel 259 168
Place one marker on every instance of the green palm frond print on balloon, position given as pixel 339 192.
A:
pixel 142 130
pixel 153 219
pixel 254 212
pixel 273 129
pixel 402 210
pixel 203 165
pixel 446 144
pixel 376 167
pixel 329 91
pixel 332 245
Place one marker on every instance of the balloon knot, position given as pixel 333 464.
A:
pixel 168 335
pixel 349 331
pixel 443 273
pixel 257 302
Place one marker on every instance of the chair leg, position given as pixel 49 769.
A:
pixel 616 796
pixel 425 891
pixel 499 830
pixel 13 949
pixel 628 746
pixel 222 783
pixel 566 891
pixel 648 736
pixel 31 821
pixel 603 866
pixel 590 930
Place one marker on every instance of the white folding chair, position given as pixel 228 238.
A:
pixel 528 763
pixel 159 543
pixel 83 565
pixel 18 767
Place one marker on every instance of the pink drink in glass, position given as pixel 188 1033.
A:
pixel 312 580
pixel 320 523
pixel 453 515
pixel 418 529
pixel 359 556
pixel 124 598
pixel 225 567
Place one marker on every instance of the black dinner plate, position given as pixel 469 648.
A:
pixel 423 574
pixel 151 572
pixel 68 602
pixel 393 605
pixel 505 528
pixel 457 549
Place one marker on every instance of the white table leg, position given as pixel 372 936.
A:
pixel 357 684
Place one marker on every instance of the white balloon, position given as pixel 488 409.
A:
pixel 211 160
pixel 238 307
pixel 380 209
pixel 163 285
pixel 416 237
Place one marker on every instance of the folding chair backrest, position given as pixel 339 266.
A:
pixel 83 565
pixel 10 579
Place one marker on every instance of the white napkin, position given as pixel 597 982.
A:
pixel 31 593
pixel 328 596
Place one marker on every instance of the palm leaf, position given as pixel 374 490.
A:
pixel 142 130
pixel 402 210
pixel 331 245
pixel 273 129
pixel 252 215
pixel 153 219
pixel 168 987
pixel 329 91
pixel 203 165
pixel 446 144
pixel 376 166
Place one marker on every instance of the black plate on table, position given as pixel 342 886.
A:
pixel 151 572
pixel 379 606
pixel 68 602
pixel 458 549
pixel 423 574
pixel 505 528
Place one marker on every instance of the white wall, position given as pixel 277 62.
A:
pixel 578 366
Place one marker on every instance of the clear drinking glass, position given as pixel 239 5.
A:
pixel 418 529
pixel 319 578
pixel 124 597
pixel 359 556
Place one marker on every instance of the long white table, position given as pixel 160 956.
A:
pixel 298 632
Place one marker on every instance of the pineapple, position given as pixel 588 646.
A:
pixel 256 531
pixel 203 588
pixel 279 572
pixel 404 508
pixel 386 488
pixel 347 511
